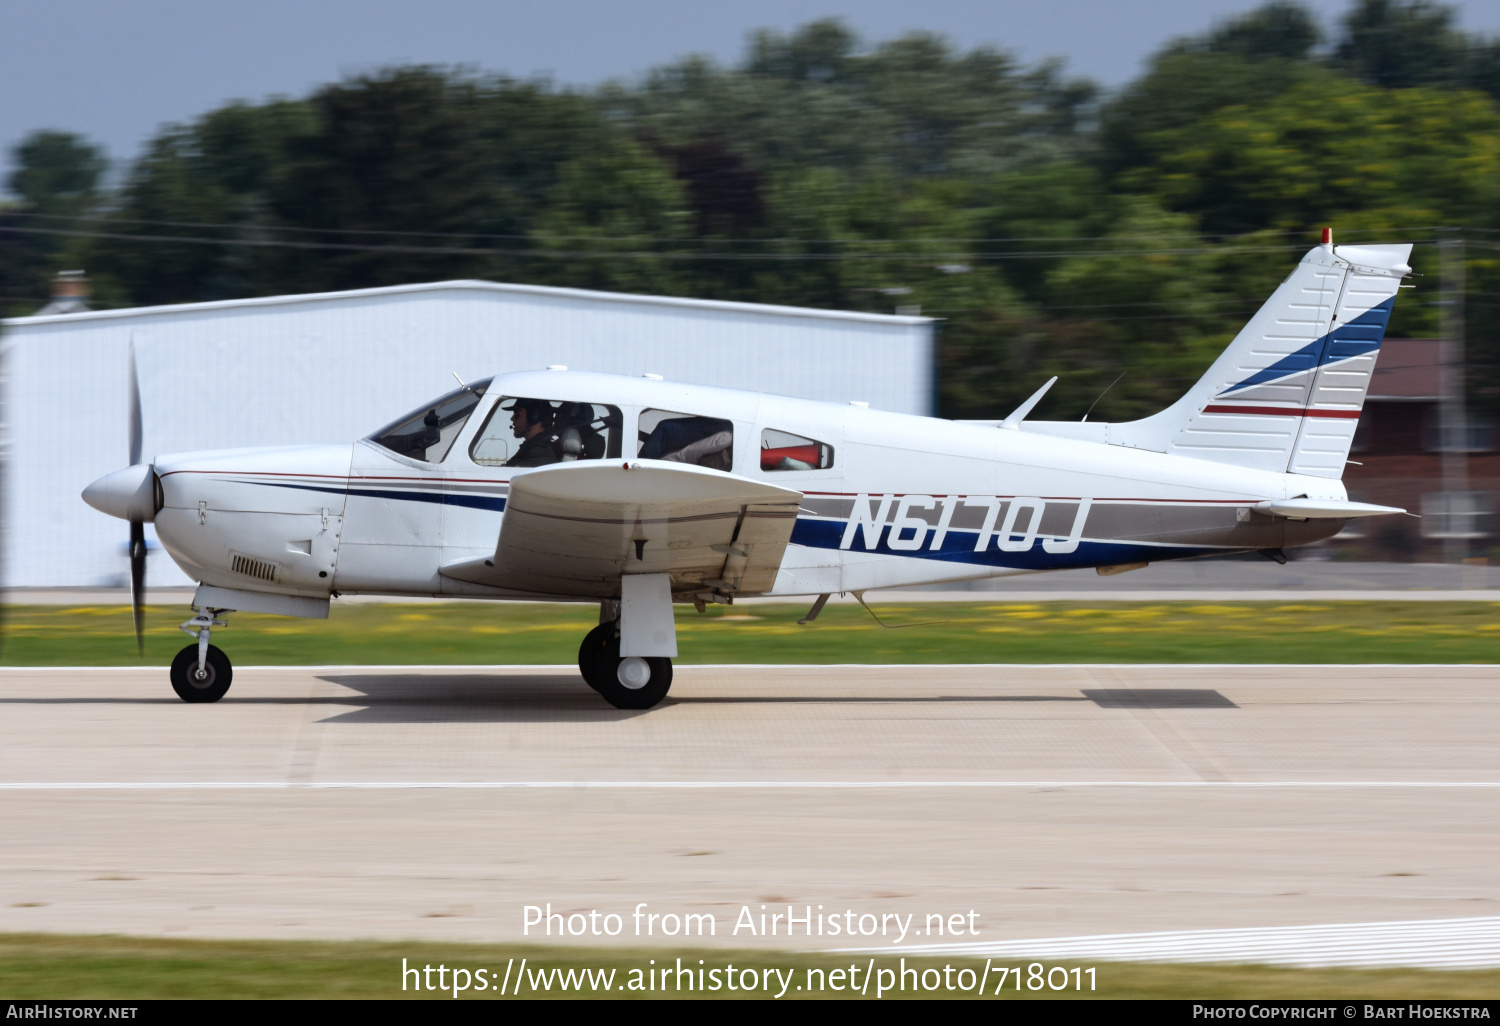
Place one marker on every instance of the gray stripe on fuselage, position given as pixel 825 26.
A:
pixel 1187 524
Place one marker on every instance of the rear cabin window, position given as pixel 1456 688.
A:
pixel 526 432
pixel 428 433
pixel 686 438
pixel 782 450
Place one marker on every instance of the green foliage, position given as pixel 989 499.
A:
pixel 40 966
pixel 193 178
pixel 910 107
pixel 618 201
pixel 1051 230
pixel 56 178
pixel 1325 149
pixel 1399 44
pixel 56 172
pixel 1277 30
pixel 995 631
pixel 1181 89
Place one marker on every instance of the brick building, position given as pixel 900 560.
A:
pixel 1397 460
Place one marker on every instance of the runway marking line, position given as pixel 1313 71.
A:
pixel 670 785
pixel 323 668
pixel 1469 942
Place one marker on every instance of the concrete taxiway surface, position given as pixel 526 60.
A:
pixel 1050 800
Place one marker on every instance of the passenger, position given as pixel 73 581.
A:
pixel 704 441
pixel 711 451
pixel 574 426
pixel 531 421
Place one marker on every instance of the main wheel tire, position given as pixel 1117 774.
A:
pixel 595 642
pixel 211 687
pixel 634 682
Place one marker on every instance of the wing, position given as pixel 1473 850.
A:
pixel 577 528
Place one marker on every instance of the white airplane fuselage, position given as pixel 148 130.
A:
pixel 908 500
pixel 638 492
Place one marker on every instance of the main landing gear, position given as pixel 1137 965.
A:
pixel 201 672
pixel 629 682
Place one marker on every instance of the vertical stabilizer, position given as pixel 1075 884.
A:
pixel 1287 393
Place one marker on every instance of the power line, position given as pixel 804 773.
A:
pixel 552 254
pixel 777 240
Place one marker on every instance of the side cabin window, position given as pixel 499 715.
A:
pixel 429 432
pixel 527 432
pixel 782 450
pixel 686 438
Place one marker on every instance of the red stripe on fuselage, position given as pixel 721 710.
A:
pixel 1282 411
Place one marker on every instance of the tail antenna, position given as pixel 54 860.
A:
pixel 1102 394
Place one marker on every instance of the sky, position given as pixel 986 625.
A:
pixel 115 71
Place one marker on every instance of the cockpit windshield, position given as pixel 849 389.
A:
pixel 429 432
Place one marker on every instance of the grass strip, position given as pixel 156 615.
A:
pixel 60 966
pixel 466 633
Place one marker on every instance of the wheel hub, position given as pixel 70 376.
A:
pixel 634 673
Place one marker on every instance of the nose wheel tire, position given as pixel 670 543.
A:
pixel 210 685
pixel 632 682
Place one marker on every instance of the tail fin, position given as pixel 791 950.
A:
pixel 1287 393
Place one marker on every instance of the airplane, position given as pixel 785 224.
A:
pixel 639 493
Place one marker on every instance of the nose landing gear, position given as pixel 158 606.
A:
pixel 201 672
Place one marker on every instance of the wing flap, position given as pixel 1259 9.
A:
pixel 577 528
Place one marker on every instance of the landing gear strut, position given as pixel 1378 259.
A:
pixel 631 682
pixel 201 672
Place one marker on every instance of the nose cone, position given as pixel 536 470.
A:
pixel 129 494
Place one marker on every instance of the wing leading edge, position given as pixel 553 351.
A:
pixel 577 528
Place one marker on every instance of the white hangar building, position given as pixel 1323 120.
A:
pixel 333 367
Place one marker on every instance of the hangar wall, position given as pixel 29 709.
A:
pixel 333 367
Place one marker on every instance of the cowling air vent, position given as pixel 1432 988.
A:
pixel 260 569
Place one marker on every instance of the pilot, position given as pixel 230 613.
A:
pixel 531 421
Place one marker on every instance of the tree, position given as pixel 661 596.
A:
pixel 57 173
pixel 1278 30
pixel 1399 44
pixel 56 178
pixel 913 106
pixel 209 181
pixel 1329 149
pixel 819 51
pixel 419 159
pixel 1181 88
pixel 603 219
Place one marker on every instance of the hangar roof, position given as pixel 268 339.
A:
pixel 497 288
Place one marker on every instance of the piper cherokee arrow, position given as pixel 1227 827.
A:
pixel 638 493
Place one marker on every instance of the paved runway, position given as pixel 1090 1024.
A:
pixel 1051 801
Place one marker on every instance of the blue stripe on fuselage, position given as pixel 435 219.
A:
pixel 958 547
pixel 489 502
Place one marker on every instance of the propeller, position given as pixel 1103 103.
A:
pixel 137 527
